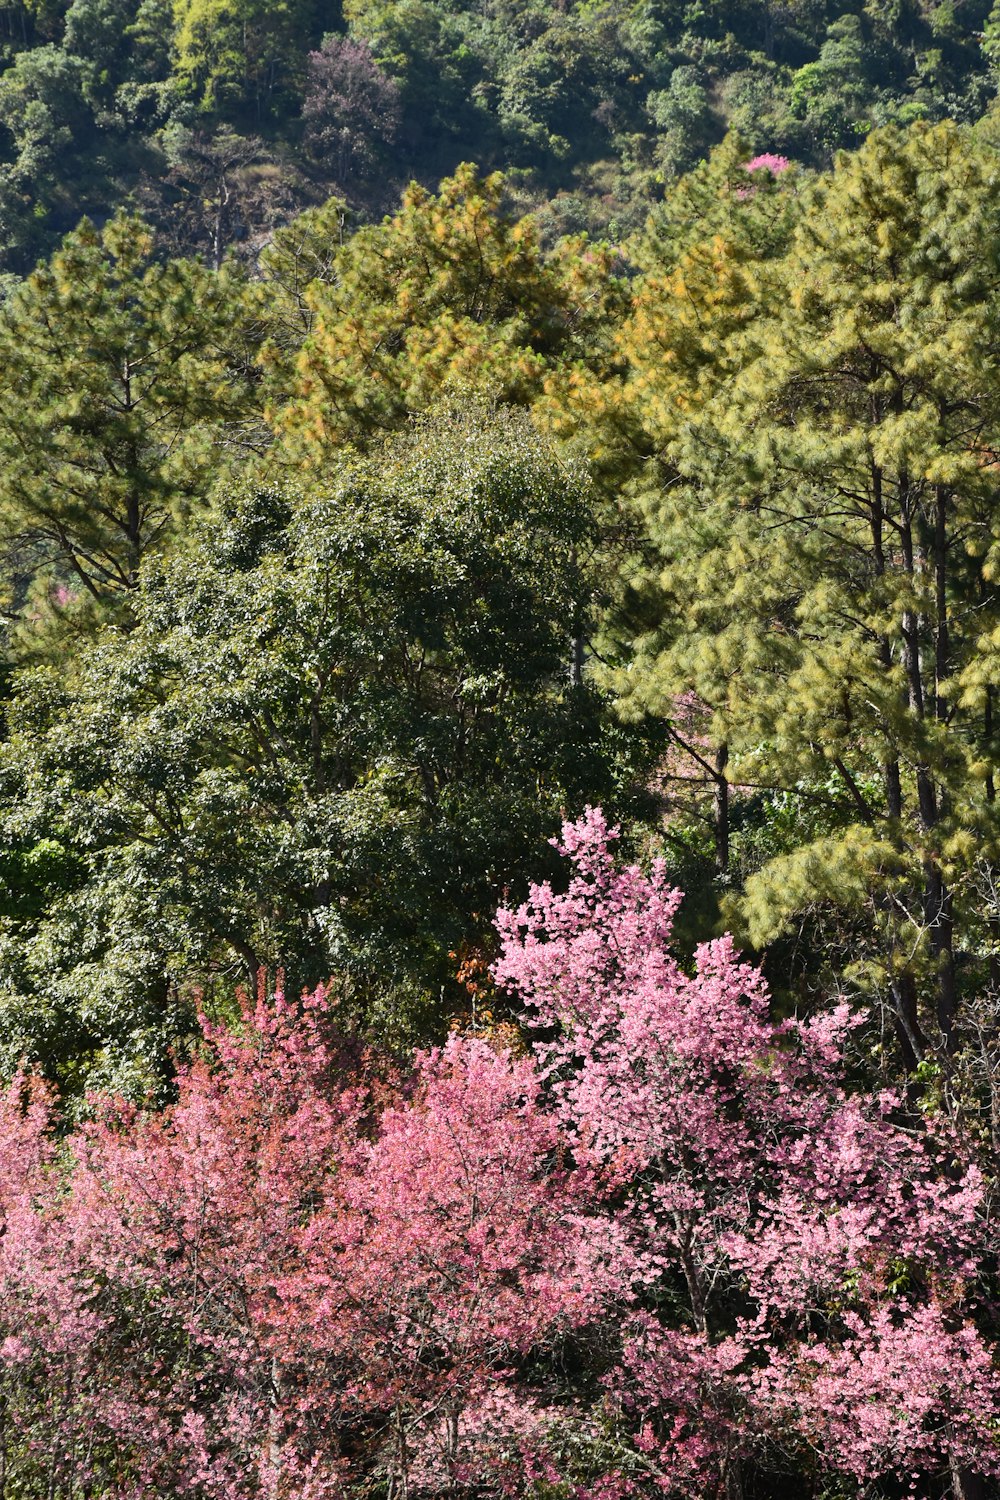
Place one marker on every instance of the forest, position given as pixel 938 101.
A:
pixel 499 750
pixel 220 119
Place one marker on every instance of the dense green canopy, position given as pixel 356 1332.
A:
pixel 340 726
pixel 596 105
pixel 823 534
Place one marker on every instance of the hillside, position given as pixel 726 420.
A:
pixel 499 750
pixel 220 118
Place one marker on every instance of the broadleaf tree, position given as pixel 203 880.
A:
pixel 341 724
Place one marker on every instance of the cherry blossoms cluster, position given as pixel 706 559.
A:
pixel 768 161
pixel 663 1250
pixel 768 165
pixel 822 1253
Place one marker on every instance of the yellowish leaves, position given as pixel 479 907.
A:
pixel 838 870
pixel 449 294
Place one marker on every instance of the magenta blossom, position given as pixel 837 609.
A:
pixel 768 161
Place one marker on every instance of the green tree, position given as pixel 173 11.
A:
pixel 684 120
pixel 43 115
pixel 834 94
pixel 427 48
pixel 120 388
pixel 449 293
pixel 98 33
pixel 824 566
pixel 560 92
pixel 341 726
pixel 300 256
pixel 676 352
pixel 30 22
pixel 246 55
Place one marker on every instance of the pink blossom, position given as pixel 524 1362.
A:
pixel 666 1238
pixel 768 161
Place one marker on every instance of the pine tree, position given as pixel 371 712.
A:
pixel 703 259
pixel 449 294
pixel 120 382
pixel 825 563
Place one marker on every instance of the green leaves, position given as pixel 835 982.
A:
pixel 118 382
pixel 821 555
pixel 339 727
pixel 245 54
pixel 451 295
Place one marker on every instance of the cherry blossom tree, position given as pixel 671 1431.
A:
pixel 665 1249
pixel 280 1285
pixel 815 1245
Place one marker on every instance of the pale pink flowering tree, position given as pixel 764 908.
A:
pixel 195 1215
pixel 810 1240
pixel 768 161
pixel 51 1314
pixel 767 166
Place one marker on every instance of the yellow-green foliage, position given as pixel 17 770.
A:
pixel 238 52
pixel 450 294
pixel 822 531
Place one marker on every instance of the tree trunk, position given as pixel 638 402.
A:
pixel 910 632
pixel 577 640
pixel 721 809
pixel 576 659
pixel 732 1478
pixel 942 929
pixel 966 1485
pixel 912 1042
pixel 893 788
pixel 219 230
pixel 942 914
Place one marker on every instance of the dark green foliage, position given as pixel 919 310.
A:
pixel 342 725
pixel 601 104
pixel 120 379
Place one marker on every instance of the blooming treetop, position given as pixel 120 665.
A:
pixel 819 1242
pixel 662 1251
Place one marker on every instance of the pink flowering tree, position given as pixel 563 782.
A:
pixel 275 1288
pixel 762 171
pixel 811 1244
pixel 49 1324
pixel 665 1251
pixel 768 161
pixel 464 1249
